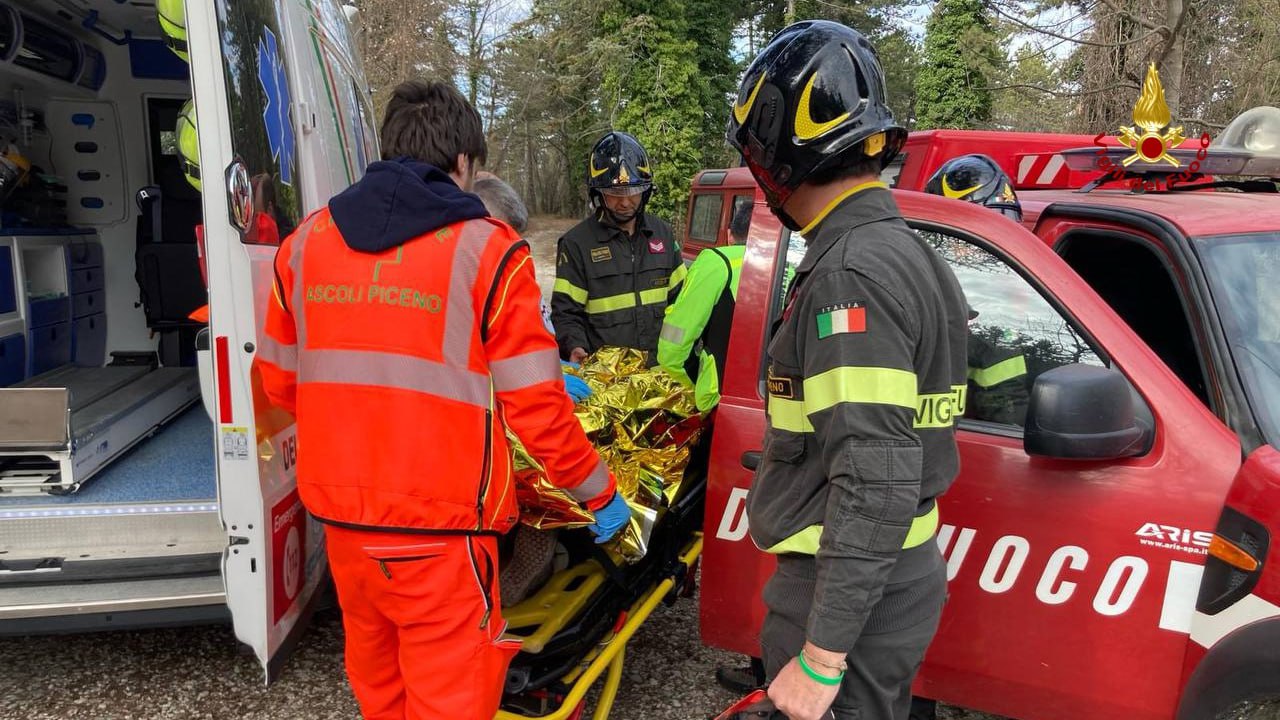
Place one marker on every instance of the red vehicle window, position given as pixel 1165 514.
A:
pixel 705 224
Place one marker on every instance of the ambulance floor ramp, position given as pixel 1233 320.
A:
pixel 61 428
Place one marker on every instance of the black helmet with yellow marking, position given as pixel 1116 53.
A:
pixel 978 179
pixel 619 164
pixel 813 99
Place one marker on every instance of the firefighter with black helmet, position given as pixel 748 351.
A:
pixel 866 379
pixel 978 179
pixel 617 270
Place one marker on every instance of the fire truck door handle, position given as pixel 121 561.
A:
pixel 751 459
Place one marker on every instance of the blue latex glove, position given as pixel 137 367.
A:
pixel 577 388
pixel 611 518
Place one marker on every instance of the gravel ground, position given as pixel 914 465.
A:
pixel 190 673
pixel 201 672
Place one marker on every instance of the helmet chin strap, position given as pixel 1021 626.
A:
pixel 786 219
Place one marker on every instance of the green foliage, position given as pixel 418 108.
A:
pixel 960 51
pixel 898 52
pixel 658 93
pixel 1025 101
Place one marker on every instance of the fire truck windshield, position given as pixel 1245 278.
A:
pixel 1243 272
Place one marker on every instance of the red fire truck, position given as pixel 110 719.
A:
pixel 1116 563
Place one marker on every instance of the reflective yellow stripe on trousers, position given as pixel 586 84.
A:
pixel 806 541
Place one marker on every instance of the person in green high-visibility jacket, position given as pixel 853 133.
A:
pixel 695 333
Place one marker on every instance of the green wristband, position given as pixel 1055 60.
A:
pixel 821 679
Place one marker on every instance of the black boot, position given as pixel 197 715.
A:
pixel 742 679
pixel 923 709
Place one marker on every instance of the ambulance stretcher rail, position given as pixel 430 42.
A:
pixel 613 650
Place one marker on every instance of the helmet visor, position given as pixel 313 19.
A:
pixel 623 190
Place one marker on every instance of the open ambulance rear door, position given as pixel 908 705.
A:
pixel 285 123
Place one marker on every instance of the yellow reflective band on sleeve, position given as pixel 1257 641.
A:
pixel 806 541
pixel 788 415
pixel 869 386
pixel 678 275
pixel 940 410
pixel 881 386
pixel 654 296
pixel 1014 367
pixel 564 286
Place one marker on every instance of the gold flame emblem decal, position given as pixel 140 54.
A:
pixel 1151 114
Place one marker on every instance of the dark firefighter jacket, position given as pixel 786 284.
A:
pixel 866 381
pixel 612 289
pixel 997 383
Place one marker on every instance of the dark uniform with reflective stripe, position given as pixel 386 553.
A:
pixel 612 289
pixel 997 383
pixel 867 377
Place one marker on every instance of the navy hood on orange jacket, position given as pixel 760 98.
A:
pixel 397 201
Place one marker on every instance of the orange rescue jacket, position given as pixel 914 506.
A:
pixel 402 367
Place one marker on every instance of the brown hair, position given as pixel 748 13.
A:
pixel 431 122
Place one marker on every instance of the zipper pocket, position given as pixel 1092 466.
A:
pixel 485 469
pixel 483 582
pixel 382 562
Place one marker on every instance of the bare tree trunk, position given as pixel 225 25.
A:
pixel 1171 66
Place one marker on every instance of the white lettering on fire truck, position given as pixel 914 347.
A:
pixel 1195 542
pixel 1058 581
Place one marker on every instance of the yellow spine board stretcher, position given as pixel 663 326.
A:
pixel 553 607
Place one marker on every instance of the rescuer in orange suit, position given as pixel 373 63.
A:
pixel 405 333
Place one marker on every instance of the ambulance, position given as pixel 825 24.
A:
pixel 152 157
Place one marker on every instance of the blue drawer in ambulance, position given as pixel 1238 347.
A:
pixel 50 347
pixel 84 254
pixel 85 279
pixel 50 311
pixel 88 303
pixel 8 282
pixel 89 341
pixel 13 359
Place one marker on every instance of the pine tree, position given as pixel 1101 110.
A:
pixel 959 45
pixel 657 93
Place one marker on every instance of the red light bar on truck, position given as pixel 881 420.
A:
pixel 1213 162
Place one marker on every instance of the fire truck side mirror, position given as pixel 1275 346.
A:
pixel 1085 412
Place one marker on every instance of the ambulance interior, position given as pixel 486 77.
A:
pixel 100 408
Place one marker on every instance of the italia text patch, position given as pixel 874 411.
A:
pixel 845 317
pixel 601 254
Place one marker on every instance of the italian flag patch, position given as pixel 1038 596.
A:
pixel 847 317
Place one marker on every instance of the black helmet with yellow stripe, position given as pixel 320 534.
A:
pixel 812 100
pixel 978 179
pixel 619 164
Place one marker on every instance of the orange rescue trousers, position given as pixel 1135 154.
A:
pixel 422 623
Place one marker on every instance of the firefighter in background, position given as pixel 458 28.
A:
pixel 385 343
pixel 617 270
pixel 866 369
pixel 997 375
pixel 702 315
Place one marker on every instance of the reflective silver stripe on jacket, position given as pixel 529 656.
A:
pixel 393 370
pixel 525 370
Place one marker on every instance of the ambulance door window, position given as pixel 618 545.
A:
pixel 262 125
pixel 166 165
pixel 1014 333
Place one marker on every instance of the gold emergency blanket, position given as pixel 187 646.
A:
pixel 643 422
